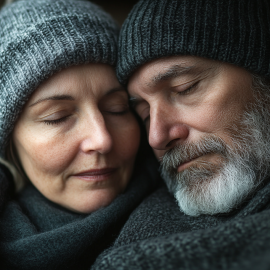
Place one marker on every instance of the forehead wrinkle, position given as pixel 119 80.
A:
pixel 54 97
pixel 171 72
pixel 175 71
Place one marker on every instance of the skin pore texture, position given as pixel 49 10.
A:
pixel 77 138
pixel 195 113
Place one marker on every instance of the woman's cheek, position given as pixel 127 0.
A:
pixel 49 153
pixel 127 138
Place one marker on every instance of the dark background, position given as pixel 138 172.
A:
pixel 117 8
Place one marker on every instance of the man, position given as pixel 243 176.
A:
pixel 198 75
pixel 193 109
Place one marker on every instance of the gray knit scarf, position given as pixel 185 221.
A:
pixel 38 234
pixel 159 236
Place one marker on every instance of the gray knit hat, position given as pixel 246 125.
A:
pixel 41 37
pixel 233 31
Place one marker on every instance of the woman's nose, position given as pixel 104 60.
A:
pixel 165 129
pixel 96 136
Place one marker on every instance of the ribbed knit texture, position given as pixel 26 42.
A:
pixel 41 37
pixel 36 234
pixel 158 236
pixel 234 31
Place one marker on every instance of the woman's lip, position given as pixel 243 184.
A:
pixel 96 172
pixel 96 175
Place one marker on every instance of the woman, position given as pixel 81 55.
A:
pixel 67 130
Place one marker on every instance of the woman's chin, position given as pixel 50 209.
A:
pixel 88 202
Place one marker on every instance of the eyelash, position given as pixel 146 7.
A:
pixel 57 121
pixel 188 90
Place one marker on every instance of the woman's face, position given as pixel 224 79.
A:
pixel 77 139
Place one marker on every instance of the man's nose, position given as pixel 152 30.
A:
pixel 166 130
pixel 96 136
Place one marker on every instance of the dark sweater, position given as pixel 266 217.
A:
pixel 159 236
pixel 38 234
pixel 6 187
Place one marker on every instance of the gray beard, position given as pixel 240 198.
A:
pixel 206 188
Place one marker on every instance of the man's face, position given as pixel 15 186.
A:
pixel 193 111
pixel 181 99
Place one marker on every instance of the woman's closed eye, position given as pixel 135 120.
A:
pixel 120 109
pixel 56 121
pixel 56 118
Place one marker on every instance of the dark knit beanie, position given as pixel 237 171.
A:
pixel 41 37
pixel 233 31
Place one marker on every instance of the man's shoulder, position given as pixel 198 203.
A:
pixel 157 215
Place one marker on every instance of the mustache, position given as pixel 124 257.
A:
pixel 182 153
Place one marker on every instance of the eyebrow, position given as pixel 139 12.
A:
pixel 67 97
pixel 176 71
pixel 170 73
pixel 55 97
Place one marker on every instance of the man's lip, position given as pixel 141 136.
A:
pixel 95 172
pixel 185 164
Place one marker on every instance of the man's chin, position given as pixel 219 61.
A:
pixel 202 191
